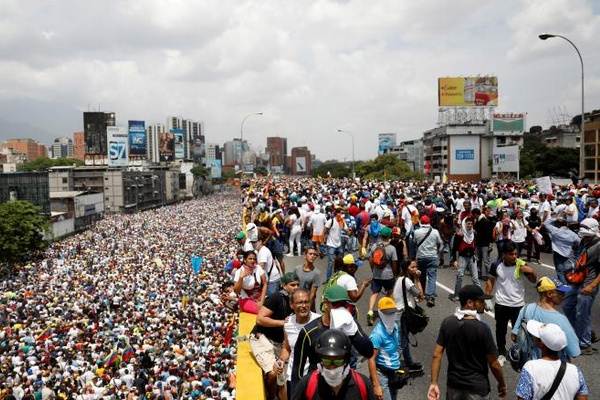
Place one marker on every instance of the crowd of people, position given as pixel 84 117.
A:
pixel 118 311
pixel 406 231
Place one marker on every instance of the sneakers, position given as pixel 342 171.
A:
pixel 501 360
pixel 588 351
pixel 431 302
pixel 370 318
pixel 289 255
pixel 415 367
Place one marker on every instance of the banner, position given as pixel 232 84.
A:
pixel 468 91
pixel 178 136
pixel 464 155
pixel 386 142
pixel 544 185
pixel 509 123
pixel 505 159
pixel 196 264
pixel 117 146
pixel 166 146
pixel 215 169
pixel 300 165
pixel 137 138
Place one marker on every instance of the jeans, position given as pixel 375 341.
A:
pixel 428 278
pixel 460 394
pixel 404 342
pixel 562 265
pixel 483 261
pixel 578 309
pixel 463 264
pixel 273 287
pixel 332 252
pixel 503 315
pixel 388 394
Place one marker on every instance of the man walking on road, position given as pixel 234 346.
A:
pixel 470 349
pixel 428 244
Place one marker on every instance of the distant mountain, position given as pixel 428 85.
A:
pixel 43 121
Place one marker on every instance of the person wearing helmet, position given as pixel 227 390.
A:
pixel 335 315
pixel 333 378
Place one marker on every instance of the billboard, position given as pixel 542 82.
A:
pixel 386 141
pixel 215 169
pixel 118 139
pixel 137 138
pixel 508 123
pixel 300 165
pixel 464 155
pixel 179 149
pixel 166 143
pixel 505 159
pixel 468 91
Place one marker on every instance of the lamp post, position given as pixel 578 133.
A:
pixel 242 135
pixel 545 36
pixel 351 136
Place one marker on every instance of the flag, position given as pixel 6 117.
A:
pixel 229 333
pixel 128 354
pixel 112 359
pixel 196 264
pixel 46 333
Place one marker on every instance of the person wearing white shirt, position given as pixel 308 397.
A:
pixel 593 208
pixel 265 259
pixel 572 213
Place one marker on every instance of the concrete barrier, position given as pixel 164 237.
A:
pixel 248 375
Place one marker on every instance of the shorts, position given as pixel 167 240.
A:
pixel 378 284
pixel 320 239
pixel 265 351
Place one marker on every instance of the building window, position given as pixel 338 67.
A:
pixel 64 180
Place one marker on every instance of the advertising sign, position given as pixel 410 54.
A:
pixel 178 136
pixel 386 142
pixel 300 165
pixel 505 159
pixel 544 185
pixel 215 169
pixel 508 123
pixel 166 145
pixel 117 146
pixel 137 138
pixel 468 91
pixel 464 155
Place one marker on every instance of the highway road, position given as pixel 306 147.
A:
pixel 444 307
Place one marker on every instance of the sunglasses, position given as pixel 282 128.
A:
pixel 333 362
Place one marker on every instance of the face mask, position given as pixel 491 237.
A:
pixel 388 320
pixel 334 377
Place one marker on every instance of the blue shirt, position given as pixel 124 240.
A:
pixel 387 346
pixel 563 239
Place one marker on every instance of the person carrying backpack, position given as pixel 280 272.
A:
pixel 384 265
pixel 333 378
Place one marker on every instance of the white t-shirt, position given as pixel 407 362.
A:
pixel 318 223
pixel 508 291
pixel 348 282
pixel 249 281
pixel 572 208
pixel 292 330
pixel 545 206
pixel 407 218
pixel 520 231
pixel 264 256
pixel 537 377
pixel 334 237
pixel 398 295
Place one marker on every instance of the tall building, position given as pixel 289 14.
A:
pixel 79 145
pixel 94 125
pixel 233 151
pixel 193 137
pixel 62 148
pixel 410 151
pixel 300 161
pixel 591 142
pixel 29 186
pixel 212 153
pixel 277 152
pixel 153 133
pixel 30 148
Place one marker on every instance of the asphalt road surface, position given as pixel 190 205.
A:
pixel 417 389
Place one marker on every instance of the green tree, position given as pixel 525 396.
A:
pixel 335 168
pixel 386 166
pixel 538 160
pixel 22 229
pixel 261 171
pixel 199 170
pixel 45 163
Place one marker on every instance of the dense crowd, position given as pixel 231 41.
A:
pixel 118 312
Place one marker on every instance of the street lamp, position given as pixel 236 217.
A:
pixel 545 36
pixel 352 136
pixel 243 121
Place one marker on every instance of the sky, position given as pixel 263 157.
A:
pixel 311 67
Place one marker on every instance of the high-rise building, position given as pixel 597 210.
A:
pixel 62 148
pixel 30 148
pixel 96 146
pixel 153 133
pixel 300 161
pixel 79 145
pixel 233 151
pixel 277 152
pixel 193 137
pixel 29 186
pixel 212 153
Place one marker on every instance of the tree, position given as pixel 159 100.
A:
pixel 200 171
pixel 538 160
pixel 45 163
pixel 386 166
pixel 22 229
pixel 334 168
pixel 261 171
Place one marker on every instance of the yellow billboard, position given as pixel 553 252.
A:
pixel 468 91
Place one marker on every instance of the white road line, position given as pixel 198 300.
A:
pixel 450 291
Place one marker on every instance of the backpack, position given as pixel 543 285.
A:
pixel 577 275
pixel 374 228
pixel 524 348
pixel 276 248
pixel 414 215
pixel 378 258
pixel 581 213
pixel 313 382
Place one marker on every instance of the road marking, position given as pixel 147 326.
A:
pixel 450 291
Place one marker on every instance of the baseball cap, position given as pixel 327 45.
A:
pixel 550 334
pixel 545 284
pixel 348 259
pixel 588 227
pixel 240 235
pixel 425 220
pixel 396 231
pixel 336 293
pixel 472 292
pixel 385 232
pixel 386 304
pixel 289 277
